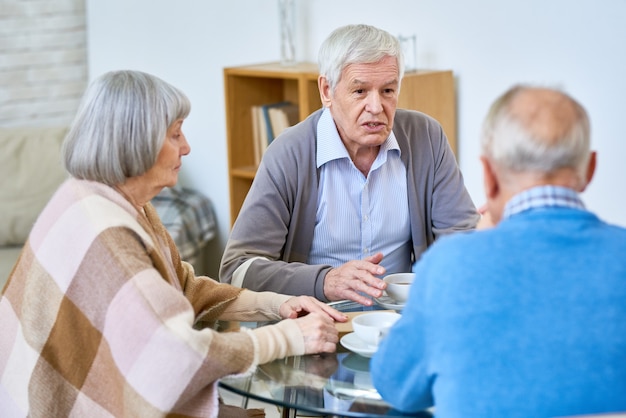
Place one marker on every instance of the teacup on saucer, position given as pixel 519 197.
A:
pixel 399 285
pixel 373 327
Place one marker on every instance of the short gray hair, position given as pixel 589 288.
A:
pixel 120 126
pixel 514 146
pixel 357 44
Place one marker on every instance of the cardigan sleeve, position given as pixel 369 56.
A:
pixel 271 238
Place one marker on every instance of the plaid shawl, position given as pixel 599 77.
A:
pixel 97 317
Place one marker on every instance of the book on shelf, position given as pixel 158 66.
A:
pixel 256 133
pixel 269 121
pixel 282 117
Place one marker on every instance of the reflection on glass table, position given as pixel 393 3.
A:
pixel 337 384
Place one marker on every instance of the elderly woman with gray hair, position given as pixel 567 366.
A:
pixel 100 316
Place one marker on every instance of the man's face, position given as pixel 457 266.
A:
pixel 364 102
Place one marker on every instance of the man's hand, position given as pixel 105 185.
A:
pixel 355 277
pixel 486 220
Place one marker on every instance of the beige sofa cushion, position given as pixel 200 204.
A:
pixel 30 172
pixel 8 257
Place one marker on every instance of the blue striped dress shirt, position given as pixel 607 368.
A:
pixel 358 216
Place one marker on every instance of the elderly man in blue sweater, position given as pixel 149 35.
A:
pixel 526 319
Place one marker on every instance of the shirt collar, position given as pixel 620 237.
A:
pixel 329 144
pixel 541 197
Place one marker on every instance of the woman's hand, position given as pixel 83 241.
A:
pixel 319 332
pixel 301 305
pixel 316 321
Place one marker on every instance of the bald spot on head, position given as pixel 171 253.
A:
pixel 547 114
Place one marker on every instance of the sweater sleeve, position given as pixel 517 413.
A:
pixel 437 178
pixel 255 306
pixel 277 341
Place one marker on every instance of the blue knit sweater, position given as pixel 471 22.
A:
pixel 527 319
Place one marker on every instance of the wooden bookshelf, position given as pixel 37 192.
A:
pixel 431 92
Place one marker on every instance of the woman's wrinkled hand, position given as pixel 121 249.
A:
pixel 319 332
pixel 301 305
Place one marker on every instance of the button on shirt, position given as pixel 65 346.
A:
pixel 358 216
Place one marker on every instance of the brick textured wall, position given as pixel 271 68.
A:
pixel 43 61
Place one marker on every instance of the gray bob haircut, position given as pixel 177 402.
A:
pixel 516 148
pixel 121 125
pixel 357 44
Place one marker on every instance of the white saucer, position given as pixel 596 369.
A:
pixel 389 303
pixel 357 345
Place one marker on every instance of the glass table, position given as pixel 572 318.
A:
pixel 335 384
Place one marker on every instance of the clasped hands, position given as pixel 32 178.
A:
pixel 316 321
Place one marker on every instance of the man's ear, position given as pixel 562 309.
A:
pixel 490 180
pixel 591 169
pixel 324 88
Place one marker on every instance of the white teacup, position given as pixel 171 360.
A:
pixel 372 327
pixel 398 285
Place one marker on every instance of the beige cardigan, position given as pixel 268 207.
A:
pixel 98 317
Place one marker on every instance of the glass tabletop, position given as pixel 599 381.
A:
pixel 323 384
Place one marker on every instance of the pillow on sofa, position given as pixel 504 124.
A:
pixel 31 171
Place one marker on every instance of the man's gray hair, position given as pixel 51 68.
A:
pixel 357 44
pixel 516 146
pixel 121 125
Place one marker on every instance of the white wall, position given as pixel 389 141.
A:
pixel 43 66
pixel 489 44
